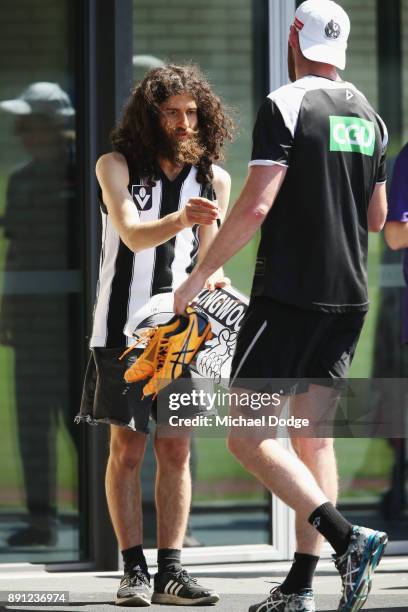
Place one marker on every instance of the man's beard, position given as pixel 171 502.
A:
pixel 180 152
pixel 291 64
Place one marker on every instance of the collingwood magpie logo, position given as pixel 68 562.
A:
pixel 142 197
pixel 218 352
pixel 332 30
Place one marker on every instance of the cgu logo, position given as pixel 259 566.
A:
pixel 352 135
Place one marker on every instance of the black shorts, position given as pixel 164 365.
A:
pixel 280 341
pixel 108 398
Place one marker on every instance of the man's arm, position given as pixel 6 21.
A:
pixel 113 176
pixel 396 234
pixel 256 199
pixel 377 209
pixel 207 233
pixel 396 227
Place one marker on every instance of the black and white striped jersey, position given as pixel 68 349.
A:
pixel 127 280
pixel 313 250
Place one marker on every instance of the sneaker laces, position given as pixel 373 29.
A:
pixel 185 577
pixel 272 592
pixel 346 567
pixel 145 336
pixel 347 573
pixel 135 577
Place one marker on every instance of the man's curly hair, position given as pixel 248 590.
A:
pixel 138 135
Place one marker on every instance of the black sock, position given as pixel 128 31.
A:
pixel 168 560
pixel 333 526
pixel 301 573
pixel 132 557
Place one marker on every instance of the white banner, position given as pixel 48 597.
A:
pixel 225 309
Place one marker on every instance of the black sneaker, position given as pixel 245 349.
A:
pixel 134 589
pixel 180 589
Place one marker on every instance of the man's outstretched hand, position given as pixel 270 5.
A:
pixel 199 211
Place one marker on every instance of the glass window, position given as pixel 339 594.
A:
pixel 40 285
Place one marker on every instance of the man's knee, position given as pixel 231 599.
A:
pixel 127 449
pixel 172 452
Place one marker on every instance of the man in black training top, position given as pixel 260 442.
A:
pixel 158 215
pixel 316 185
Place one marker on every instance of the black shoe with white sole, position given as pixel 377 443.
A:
pixel 180 589
pixel 134 589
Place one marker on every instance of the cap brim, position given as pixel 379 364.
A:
pixel 17 107
pixel 327 54
pixel 20 107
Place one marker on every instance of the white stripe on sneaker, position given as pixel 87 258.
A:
pixel 173 588
pixel 168 586
pixel 177 591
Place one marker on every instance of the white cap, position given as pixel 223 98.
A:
pixel 323 28
pixel 41 98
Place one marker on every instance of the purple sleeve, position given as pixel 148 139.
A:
pixel 398 201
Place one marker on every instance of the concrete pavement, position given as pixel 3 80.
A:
pixel 239 585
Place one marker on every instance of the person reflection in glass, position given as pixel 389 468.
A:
pixel 34 315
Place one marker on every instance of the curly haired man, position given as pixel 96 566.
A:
pixel 160 196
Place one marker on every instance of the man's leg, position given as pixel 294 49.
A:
pixel 318 455
pixel 279 470
pixel 123 494
pixel 173 490
pixel 172 584
pixel 358 550
pixel 122 482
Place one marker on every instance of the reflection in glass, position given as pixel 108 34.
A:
pixel 40 195
pixel 40 285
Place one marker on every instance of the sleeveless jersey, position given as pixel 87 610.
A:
pixel 127 280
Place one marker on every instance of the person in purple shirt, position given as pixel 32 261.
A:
pixel 396 228
pixel 396 236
